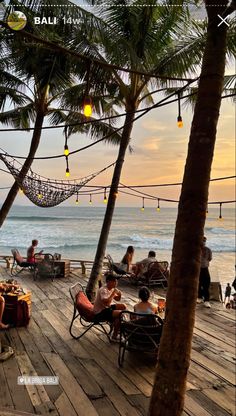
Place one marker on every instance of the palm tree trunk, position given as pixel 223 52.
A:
pixel 174 354
pixel 98 261
pixel 28 162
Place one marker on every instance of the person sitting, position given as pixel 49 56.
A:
pixel 31 252
pixel 144 306
pixel 142 266
pixel 4 287
pixel 126 262
pixel 104 309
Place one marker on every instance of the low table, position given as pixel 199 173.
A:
pixel 64 267
pixel 10 310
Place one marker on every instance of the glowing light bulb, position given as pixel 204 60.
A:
pixel 180 122
pixel 21 191
pixel 88 108
pixel 105 200
pixel 40 196
pixel 67 172
pixel 158 209
pixel 66 150
pixel 77 202
pixel 142 209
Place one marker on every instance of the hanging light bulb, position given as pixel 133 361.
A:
pixel 87 107
pixel 180 122
pixel 67 167
pixel 220 215
pixel 66 150
pixel 179 118
pixel 90 199
pixel 142 209
pixel 77 200
pixel 21 191
pixel 105 196
pixel 158 205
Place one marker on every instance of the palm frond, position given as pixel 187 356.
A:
pixel 18 118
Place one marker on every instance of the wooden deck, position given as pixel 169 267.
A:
pixel 91 382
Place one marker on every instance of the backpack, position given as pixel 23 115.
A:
pixel 23 315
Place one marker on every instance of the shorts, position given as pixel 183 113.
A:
pixel 105 314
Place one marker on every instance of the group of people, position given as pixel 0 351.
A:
pixel 106 310
pixel 140 267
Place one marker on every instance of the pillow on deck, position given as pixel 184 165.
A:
pixel 84 306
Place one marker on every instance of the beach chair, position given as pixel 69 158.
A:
pixel 19 264
pixel 140 333
pixel 113 268
pixel 156 274
pixel 83 309
pixel 45 266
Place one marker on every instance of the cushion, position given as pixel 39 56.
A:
pixel 84 306
pixel 18 258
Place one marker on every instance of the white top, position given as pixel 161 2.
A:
pixel 206 257
pixel 102 294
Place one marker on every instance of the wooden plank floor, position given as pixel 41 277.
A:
pixel 91 382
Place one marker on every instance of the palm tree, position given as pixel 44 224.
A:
pixel 174 354
pixel 146 39
pixel 38 91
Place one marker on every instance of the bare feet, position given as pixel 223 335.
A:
pixel 3 326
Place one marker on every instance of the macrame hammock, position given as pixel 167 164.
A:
pixel 46 192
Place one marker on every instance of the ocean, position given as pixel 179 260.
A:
pixel 74 232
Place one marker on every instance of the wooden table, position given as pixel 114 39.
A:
pixel 64 267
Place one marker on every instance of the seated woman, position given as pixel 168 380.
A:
pixel 144 306
pixel 126 262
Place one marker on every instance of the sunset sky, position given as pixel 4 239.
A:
pixel 159 154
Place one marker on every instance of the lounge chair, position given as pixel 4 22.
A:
pixel 140 333
pixel 19 262
pixel 113 268
pixel 83 309
pixel 156 274
pixel 45 266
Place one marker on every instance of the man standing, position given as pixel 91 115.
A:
pixel 204 277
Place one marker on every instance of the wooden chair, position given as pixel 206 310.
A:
pixel 113 268
pixel 83 309
pixel 45 266
pixel 156 274
pixel 139 332
pixel 19 264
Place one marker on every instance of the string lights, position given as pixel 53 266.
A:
pixel 179 118
pixel 46 192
